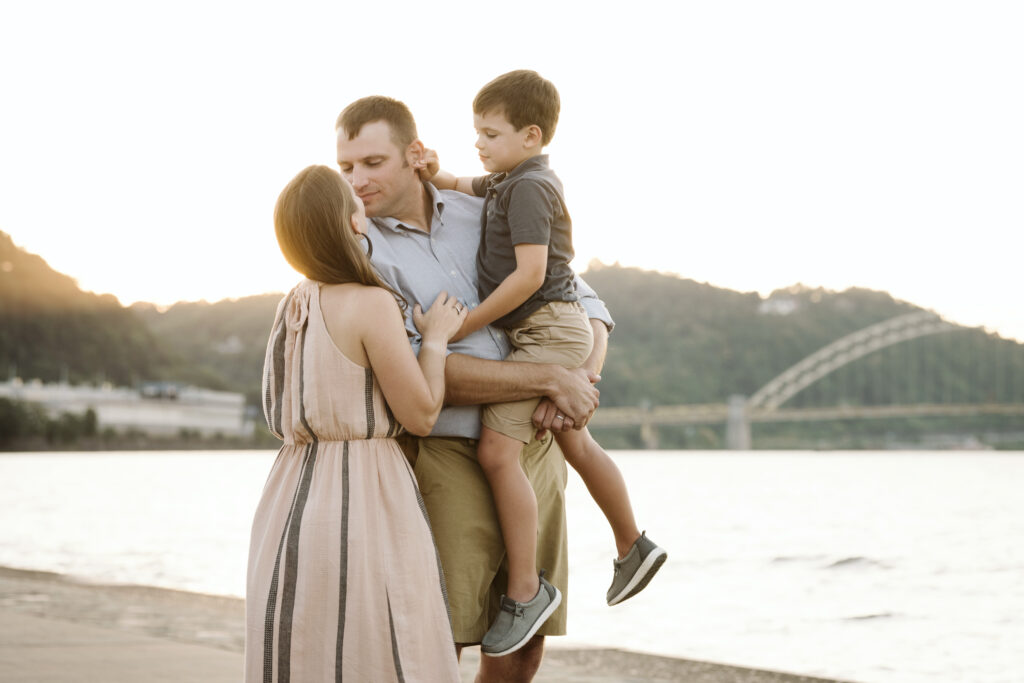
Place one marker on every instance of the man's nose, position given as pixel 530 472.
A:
pixel 357 178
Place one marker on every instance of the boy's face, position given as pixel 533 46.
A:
pixel 378 171
pixel 501 146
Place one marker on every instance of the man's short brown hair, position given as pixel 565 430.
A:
pixel 379 108
pixel 525 98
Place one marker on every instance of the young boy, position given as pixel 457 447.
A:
pixel 526 287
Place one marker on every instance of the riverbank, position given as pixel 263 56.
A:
pixel 54 628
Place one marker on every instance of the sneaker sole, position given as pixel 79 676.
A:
pixel 533 629
pixel 650 566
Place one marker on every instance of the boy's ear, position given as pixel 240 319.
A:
pixel 534 136
pixel 414 152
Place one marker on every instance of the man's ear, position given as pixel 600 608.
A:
pixel 414 152
pixel 534 136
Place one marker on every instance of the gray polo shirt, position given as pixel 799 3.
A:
pixel 419 265
pixel 525 206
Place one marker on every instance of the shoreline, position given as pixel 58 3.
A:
pixel 41 605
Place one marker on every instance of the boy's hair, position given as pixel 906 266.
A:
pixel 379 108
pixel 525 98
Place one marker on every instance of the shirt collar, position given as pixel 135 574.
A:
pixel 398 226
pixel 537 163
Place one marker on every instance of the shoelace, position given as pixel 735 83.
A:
pixel 511 606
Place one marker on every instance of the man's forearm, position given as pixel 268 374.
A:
pixel 476 381
pixel 595 361
pixel 472 381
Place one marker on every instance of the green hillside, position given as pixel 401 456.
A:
pixel 676 342
pixel 50 328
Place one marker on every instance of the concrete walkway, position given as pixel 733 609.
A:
pixel 56 630
pixel 38 650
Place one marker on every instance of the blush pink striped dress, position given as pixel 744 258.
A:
pixel 344 581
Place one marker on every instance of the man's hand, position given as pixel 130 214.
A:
pixel 549 417
pixel 575 396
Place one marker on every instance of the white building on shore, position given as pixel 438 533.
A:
pixel 155 408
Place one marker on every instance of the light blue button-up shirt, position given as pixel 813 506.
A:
pixel 419 265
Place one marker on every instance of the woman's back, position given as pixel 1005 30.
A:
pixel 315 390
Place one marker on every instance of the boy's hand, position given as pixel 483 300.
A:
pixel 548 417
pixel 428 165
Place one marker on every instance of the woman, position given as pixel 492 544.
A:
pixel 344 580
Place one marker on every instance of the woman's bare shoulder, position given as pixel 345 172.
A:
pixel 357 299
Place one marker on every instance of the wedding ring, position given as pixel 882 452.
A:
pixel 559 417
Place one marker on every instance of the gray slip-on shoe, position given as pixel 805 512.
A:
pixel 518 621
pixel 636 569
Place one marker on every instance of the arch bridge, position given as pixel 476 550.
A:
pixel 765 405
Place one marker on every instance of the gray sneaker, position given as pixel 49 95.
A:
pixel 636 569
pixel 518 621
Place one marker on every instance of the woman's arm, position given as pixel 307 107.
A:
pixel 413 387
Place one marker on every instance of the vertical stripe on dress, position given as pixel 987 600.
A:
pixel 268 622
pixel 291 564
pixel 272 404
pixel 394 644
pixel 369 403
pixel 343 567
pixel 392 422
pixel 437 554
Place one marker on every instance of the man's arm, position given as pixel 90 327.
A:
pixel 545 417
pixel 474 381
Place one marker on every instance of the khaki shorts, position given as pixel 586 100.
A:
pixel 558 333
pixel 468 537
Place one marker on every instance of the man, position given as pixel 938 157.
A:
pixel 424 241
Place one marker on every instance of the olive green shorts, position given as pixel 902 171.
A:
pixel 468 537
pixel 559 333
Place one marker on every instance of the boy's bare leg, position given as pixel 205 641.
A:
pixel 605 483
pixel 516 504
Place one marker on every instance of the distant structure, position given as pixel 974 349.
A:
pixel 155 408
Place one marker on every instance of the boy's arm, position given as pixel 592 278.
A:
pixel 429 168
pixel 527 278
pixel 444 180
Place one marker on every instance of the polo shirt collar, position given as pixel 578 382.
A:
pixel 537 163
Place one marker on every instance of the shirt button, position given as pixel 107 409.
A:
pixel 453 272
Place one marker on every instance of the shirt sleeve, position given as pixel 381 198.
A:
pixel 594 307
pixel 532 206
pixel 480 185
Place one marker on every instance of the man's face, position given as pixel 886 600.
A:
pixel 501 146
pixel 378 170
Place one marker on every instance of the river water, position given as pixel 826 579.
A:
pixel 867 566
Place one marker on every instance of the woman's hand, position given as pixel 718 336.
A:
pixel 442 320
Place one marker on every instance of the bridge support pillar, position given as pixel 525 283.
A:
pixel 737 428
pixel 648 432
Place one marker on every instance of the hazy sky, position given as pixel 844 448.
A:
pixel 751 145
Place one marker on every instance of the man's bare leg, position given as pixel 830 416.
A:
pixel 518 667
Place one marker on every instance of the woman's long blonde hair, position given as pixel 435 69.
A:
pixel 313 222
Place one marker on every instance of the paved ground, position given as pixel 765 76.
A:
pixel 56 630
